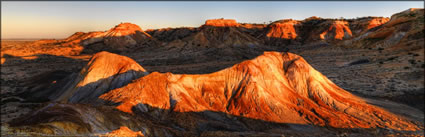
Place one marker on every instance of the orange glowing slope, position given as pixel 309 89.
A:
pixel 275 87
pixel 222 23
pixel 119 36
pixel 104 72
pixel 376 22
pixel 284 30
pixel 337 30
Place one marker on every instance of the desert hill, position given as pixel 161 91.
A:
pixel 122 37
pixel 274 87
pixel 364 77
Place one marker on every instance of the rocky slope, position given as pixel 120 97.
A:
pixel 120 38
pixel 104 72
pixel 283 30
pixel 403 29
pixel 279 88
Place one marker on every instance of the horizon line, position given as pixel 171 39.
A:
pixel 199 25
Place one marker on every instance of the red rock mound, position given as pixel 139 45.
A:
pixel 122 37
pixel 283 30
pixel 222 23
pixel 104 72
pixel 275 87
pixel 338 30
pixel 217 33
pixel 123 29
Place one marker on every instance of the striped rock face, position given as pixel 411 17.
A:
pixel 338 30
pixel 104 72
pixel 276 87
pixel 121 37
pixel 123 29
pixel 283 30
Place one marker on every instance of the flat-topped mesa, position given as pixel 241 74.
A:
pixel 283 29
pixel 338 30
pixel 222 33
pixel 222 23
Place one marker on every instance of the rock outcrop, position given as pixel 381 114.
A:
pixel 283 32
pixel 376 22
pixel 315 29
pixel 283 29
pixel 396 32
pixel 222 23
pixel 275 87
pixel 338 30
pixel 216 33
pixel 122 37
pixel 104 72
pixel 78 37
pixel 362 25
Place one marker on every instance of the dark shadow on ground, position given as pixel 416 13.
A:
pixel 42 60
pixel 37 72
pixel 48 86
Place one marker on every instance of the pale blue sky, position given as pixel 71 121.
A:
pixel 60 19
